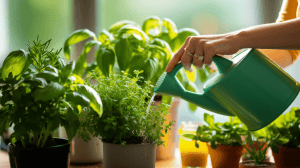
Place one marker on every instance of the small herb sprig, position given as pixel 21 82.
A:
pixel 125 118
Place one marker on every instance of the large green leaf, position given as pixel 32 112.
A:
pixel 66 71
pixel 77 98
pixel 76 37
pixel 72 123
pixel 117 26
pixel 105 37
pixel 91 94
pixel 50 91
pixel 148 65
pixel 123 53
pixel 151 25
pixel 16 63
pixel 105 60
pixel 171 27
pixel 81 63
pixel 209 119
pixel 179 40
pixel 48 75
pixel 128 29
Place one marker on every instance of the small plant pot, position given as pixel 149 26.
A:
pixel 54 156
pixel 129 156
pixel 225 156
pixel 251 164
pixel 287 157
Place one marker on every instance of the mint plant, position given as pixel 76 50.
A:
pixel 125 119
pixel 39 92
pixel 127 46
pixel 227 133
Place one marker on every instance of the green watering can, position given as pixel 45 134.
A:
pixel 249 86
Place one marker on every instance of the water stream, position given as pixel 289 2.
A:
pixel 151 102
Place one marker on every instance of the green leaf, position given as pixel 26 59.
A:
pixel 151 25
pixel 128 29
pixel 117 26
pixel 209 119
pixel 51 69
pixel 105 60
pixel 81 63
pixel 213 144
pixel 66 71
pixel 16 63
pixel 73 123
pixel 189 136
pixel 50 91
pixel 92 95
pixel 171 27
pixel 123 53
pixel 179 40
pixel 105 37
pixel 76 37
pixel 77 99
pixel 48 75
pixel 147 65
pixel 37 82
pixel 290 116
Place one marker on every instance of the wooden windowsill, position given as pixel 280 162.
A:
pixel 171 163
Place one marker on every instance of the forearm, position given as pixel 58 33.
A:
pixel 284 35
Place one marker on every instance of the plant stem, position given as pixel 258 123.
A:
pixel 23 143
pixel 46 136
pixel 40 138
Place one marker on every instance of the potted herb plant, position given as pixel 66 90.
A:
pixel 130 127
pixel 284 138
pixel 257 156
pixel 127 46
pixel 39 92
pixel 224 141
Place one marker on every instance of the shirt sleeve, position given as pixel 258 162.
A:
pixel 288 11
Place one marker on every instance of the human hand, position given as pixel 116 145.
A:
pixel 200 49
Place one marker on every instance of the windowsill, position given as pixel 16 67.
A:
pixel 171 163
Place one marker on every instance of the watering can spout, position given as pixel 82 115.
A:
pixel 168 84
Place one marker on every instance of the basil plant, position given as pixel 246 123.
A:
pixel 39 92
pixel 127 46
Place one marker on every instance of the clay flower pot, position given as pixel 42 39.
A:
pixel 287 157
pixel 225 156
pixel 251 164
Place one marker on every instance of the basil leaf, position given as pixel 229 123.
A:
pixel 179 40
pixel 81 63
pixel 72 123
pixel 209 119
pixel 51 69
pixel 171 27
pixel 66 71
pixel 48 75
pixel 123 54
pixel 76 37
pixel 105 60
pixel 77 98
pixel 105 37
pixel 50 91
pixel 128 29
pixel 151 25
pixel 117 26
pixel 15 63
pixel 189 136
pixel 37 82
pixel 147 65
pixel 92 95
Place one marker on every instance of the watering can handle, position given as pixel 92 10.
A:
pixel 222 64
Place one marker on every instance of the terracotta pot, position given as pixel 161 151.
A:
pixel 287 157
pixel 251 164
pixel 131 155
pixel 225 156
pixel 168 151
pixel 256 147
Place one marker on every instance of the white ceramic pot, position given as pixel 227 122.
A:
pixel 82 152
pixel 129 156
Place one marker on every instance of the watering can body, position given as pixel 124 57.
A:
pixel 249 86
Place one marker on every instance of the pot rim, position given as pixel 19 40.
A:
pixel 142 144
pixel 269 163
pixel 225 145
pixel 47 147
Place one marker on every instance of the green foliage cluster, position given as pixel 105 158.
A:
pixel 125 119
pixel 227 133
pixel 39 92
pixel 127 46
